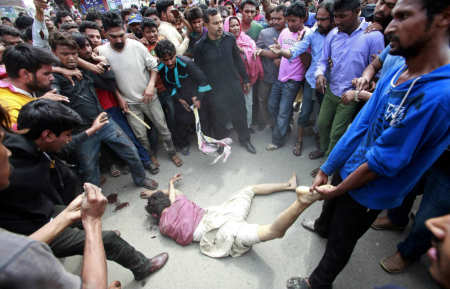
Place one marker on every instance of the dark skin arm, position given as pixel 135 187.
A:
pixel 360 177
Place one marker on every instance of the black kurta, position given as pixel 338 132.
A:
pixel 221 62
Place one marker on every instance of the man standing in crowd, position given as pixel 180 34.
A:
pixel 83 99
pixel 92 32
pixel 167 13
pixel 218 56
pixel 136 71
pixel 313 41
pixel 195 18
pixel 399 133
pixel 265 39
pixel 249 26
pixel 27 204
pixel 347 50
pixel 290 76
pixel 63 16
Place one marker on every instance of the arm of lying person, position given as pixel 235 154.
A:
pixel 68 216
pixel 173 193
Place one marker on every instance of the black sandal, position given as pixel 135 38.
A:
pixel 297 283
pixel 297 151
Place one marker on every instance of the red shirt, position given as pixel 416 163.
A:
pixel 180 220
pixel 106 98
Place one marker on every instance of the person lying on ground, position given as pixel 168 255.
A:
pixel 184 221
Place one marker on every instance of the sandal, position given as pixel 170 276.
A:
pixel 314 172
pixel 155 161
pixel 297 283
pixel 297 151
pixel 114 171
pixel 176 160
pixel 316 154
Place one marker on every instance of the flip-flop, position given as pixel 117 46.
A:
pixel 316 154
pixel 297 283
pixel 297 151
pixel 154 161
pixel 314 172
pixel 114 171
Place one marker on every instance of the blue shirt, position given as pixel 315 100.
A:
pixel 389 60
pixel 400 138
pixel 313 40
pixel 346 56
pixel 311 20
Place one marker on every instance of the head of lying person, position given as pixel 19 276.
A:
pixel 156 204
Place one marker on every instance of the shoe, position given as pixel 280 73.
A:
pixel 308 224
pixel 149 184
pixel 249 147
pixel 384 223
pixel 152 168
pixel 155 264
pixel 394 263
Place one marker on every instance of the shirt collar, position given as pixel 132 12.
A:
pixel 10 86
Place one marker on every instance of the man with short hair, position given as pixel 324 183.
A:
pixel 335 116
pixel 150 35
pixel 152 14
pixel 10 36
pixel 134 25
pixel 96 17
pixel 27 204
pixel 92 31
pixel 218 56
pixel 249 26
pixel 69 27
pixel 63 16
pixel 396 137
pixel 168 14
pixel 194 16
pixel 136 81
pixel 84 100
pixel 265 39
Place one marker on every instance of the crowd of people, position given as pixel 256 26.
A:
pixel 81 95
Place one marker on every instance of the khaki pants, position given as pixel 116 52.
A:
pixel 154 112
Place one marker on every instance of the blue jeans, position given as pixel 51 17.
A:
pixel 114 138
pixel 281 99
pixel 310 95
pixel 116 114
pixel 435 203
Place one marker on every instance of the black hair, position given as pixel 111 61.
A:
pixel 245 2
pixel 9 30
pixel 162 5
pixel 23 22
pixel 284 1
pixel 146 22
pixel 68 26
pixel 7 19
pixel 43 114
pixel 210 12
pixel 27 35
pixel 194 13
pixel 346 5
pixel 111 20
pixel 61 14
pixel 143 9
pixel 279 8
pixel 203 7
pixel 80 39
pixel 329 6
pixel 124 13
pixel 297 9
pixel 93 15
pixel 434 7
pixel 150 11
pixel 62 39
pixel 223 9
pixel 164 48
pixel 89 25
pixel 28 57
pixel 157 203
pixel 134 6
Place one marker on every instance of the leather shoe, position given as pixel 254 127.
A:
pixel 249 147
pixel 155 264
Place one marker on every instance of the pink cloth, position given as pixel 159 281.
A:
pixel 253 66
pixel 294 69
pixel 180 220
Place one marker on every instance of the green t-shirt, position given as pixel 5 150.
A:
pixel 254 30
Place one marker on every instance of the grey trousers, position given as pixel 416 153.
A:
pixel 154 112
pixel 264 89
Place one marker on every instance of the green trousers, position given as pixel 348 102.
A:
pixel 334 118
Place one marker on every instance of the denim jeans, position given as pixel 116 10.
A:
pixel 116 114
pixel 310 96
pixel 281 99
pixel 435 203
pixel 112 136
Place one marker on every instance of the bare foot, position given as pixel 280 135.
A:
pixel 304 196
pixel 115 285
pixel 292 182
pixel 147 194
